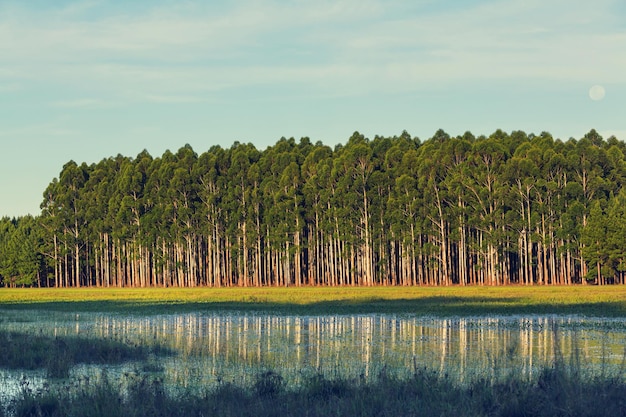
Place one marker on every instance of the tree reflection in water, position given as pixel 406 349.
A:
pixel 212 348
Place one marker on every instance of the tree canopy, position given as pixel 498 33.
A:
pixel 489 210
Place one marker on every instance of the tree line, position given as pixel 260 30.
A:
pixel 490 210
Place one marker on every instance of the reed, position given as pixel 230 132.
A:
pixel 57 355
pixel 563 387
pixel 556 392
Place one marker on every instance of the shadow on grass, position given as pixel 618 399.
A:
pixel 435 305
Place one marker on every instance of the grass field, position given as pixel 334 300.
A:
pixel 605 301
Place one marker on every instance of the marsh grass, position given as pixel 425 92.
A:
pixel 561 388
pixel 565 386
pixel 57 355
pixel 601 301
pixel 423 392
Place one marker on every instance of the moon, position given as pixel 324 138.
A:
pixel 597 93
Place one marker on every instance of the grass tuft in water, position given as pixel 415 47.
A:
pixel 57 355
pixel 269 384
pixel 557 392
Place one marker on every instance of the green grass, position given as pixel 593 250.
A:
pixel 605 301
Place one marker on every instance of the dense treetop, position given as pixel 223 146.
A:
pixel 507 208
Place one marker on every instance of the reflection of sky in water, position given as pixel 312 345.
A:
pixel 213 347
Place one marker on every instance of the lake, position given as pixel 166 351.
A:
pixel 214 348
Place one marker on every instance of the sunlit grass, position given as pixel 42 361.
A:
pixel 585 300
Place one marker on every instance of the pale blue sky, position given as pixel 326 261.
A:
pixel 84 80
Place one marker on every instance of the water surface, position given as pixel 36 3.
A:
pixel 214 348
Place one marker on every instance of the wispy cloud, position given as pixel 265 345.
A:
pixel 44 130
pixel 502 39
pixel 83 103
pixel 169 51
pixel 174 99
pixel 9 87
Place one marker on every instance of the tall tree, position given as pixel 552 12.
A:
pixel 507 208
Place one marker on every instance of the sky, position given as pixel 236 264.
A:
pixel 86 80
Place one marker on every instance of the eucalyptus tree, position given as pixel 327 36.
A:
pixel 351 173
pixel 50 220
pixel 315 172
pixel 594 247
pixel 209 173
pixel 240 211
pixel 487 192
pixel 159 220
pixel 129 217
pixel 588 160
pixel 501 209
pixel 431 179
pixel 400 211
pixel 182 199
pixel 551 200
pixel 381 183
pixel 254 179
pixel 21 260
pixel 7 229
pixel 456 155
pixel 290 201
pixel 71 205
pixel 100 192
pixel 615 241
pixel 283 223
pixel 523 174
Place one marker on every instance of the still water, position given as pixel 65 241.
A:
pixel 212 348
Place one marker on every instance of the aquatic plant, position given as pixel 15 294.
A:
pixel 557 392
pixel 57 355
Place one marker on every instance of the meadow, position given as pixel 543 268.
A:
pixel 598 301
pixel 561 385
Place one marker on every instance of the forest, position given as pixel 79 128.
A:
pixel 508 208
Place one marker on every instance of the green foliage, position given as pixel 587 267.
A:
pixel 498 209
pixel 20 252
